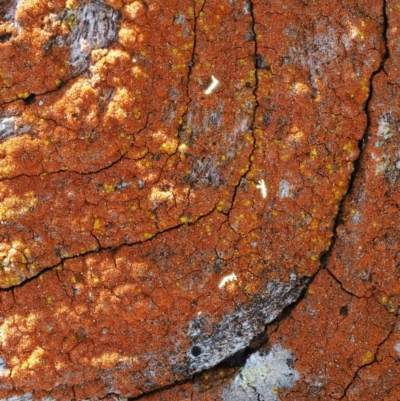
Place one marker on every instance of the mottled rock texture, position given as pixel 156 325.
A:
pixel 175 176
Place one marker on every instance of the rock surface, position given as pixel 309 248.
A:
pixel 173 177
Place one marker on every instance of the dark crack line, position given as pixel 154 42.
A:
pixel 325 256
pixel 38 94
pixel 167 387
pixel 248 350
pixel 256 104
pixel 374 360
pixel 191 65
pixel 85 173
pixel 111 249
pixel 361 145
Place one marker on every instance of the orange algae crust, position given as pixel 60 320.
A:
pixel 169 180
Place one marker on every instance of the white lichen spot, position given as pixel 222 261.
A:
pixel 299 88
pixel 262 377
pixel 212 86
pixel 262 187
pixel 284 189
pixel 357 217
pixel 227 279
pixel 384 127
pixel 159 194
pixel 397 349
pixel 354 31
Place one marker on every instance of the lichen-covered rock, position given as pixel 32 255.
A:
pixel 170 177
pixel 344 333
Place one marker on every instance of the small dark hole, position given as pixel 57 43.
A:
pixel 30 99
pixel 344 310
pixel 5 37
pixel 196 350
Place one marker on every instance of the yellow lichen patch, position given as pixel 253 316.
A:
pixel 14 206
pixel 7 330
pixel 34 359
pixel 169 146
pixel 132 10
pixel 296 135
pixel 348 147
pixel 120 105
pixel 108 360
pixel 71 4
pixel 23 95
pixel 300 88
pixel 368 357
pixel 129 35
pixel 160 195
pixel 96 224
pixel 109 188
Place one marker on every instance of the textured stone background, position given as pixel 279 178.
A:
pixel 199 200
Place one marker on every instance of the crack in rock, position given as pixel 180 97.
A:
pixel 236 330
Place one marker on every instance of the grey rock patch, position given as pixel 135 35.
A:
pixel 7 127
pixel 93 25
pixel 7 9
pixel 237 329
